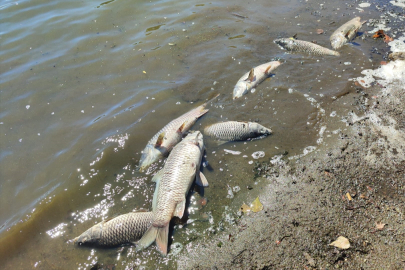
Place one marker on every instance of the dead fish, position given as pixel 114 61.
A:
pixel 295 45
pixel 172 185
pixel 253 78
pixel 163 142
pixel 123 229
pixel 345 33
pixel 236 131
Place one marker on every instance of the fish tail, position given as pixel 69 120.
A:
pixel 147 239
pixel 162 239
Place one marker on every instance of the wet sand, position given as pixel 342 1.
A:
pixel 306 201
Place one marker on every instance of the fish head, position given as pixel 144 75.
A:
pixel 149 155
pixel 337 41
pixel 195 137
pixel 240 89
pixel 283 42
pixel 91 236
pixel 260 130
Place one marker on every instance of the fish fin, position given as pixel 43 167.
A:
pixel 251 75
pixel 363 22
pixel 181 128
pixel 140 210
pixel 155 194
pixel 220 142
pixel 162 239
pixel 180 207
pixel 295 36
pixel 201 180
pixel 159 140
pixel 148 238
pixel 157 176
pixel 267 72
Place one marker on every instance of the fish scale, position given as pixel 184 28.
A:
pixel 295 45
pixel 123 229
pixel 170 135
pixel 236 131
pixel 172 185
pixel 345 33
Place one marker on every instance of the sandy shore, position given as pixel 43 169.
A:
pixel 353 186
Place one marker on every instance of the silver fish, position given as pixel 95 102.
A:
pixel 172 185
pixel 253 78
pixel 126 228
pixel 236 131
pixel 294 45
pixel 345 33
pixel 163 142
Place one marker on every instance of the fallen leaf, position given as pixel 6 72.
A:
pixel 380 226
pixel 362 81
pixel 348 196
pixel 144 72
pixel 387 39
pixel 383 63
pixel 256 205
pixel 379 34
pixel 245 208
pixel 319 31
pixel 363 196
pixel 341 242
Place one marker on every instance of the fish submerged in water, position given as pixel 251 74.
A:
pixel 172 185
pixel 123 229
pixel 253 78
pixel 345 33
pixel 236 131
pixel 162 142
pixel 294 45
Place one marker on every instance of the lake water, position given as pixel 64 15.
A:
pixel 85 84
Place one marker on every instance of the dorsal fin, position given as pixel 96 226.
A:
pixel 295 36
pixel 159 140
pixel 140 210
pixel 251 76
pixel 181 128
pixel 267 70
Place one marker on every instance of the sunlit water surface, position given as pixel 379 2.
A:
pixel 85 84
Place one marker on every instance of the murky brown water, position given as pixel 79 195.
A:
pixel 84 86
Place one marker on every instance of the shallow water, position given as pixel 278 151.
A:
pixel 85 85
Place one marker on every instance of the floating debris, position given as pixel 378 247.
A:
pixel 245 208
pixel 235 153
pixel 258 154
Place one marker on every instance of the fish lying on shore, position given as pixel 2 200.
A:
pixel 162 142
pixel 236 131
pixel 253 78
pixel 172 185
pixel 345 33
pixel 123 229
pixel 294 45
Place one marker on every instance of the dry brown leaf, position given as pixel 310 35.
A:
pixel 379 34
pixel 387 39
pixel 245 208
pixel 341 242
pixel 348 196
pixel 256 205
pixel 319 31
pixel 363 196
pixel 380 226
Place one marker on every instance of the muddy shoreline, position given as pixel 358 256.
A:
pixel 306 202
